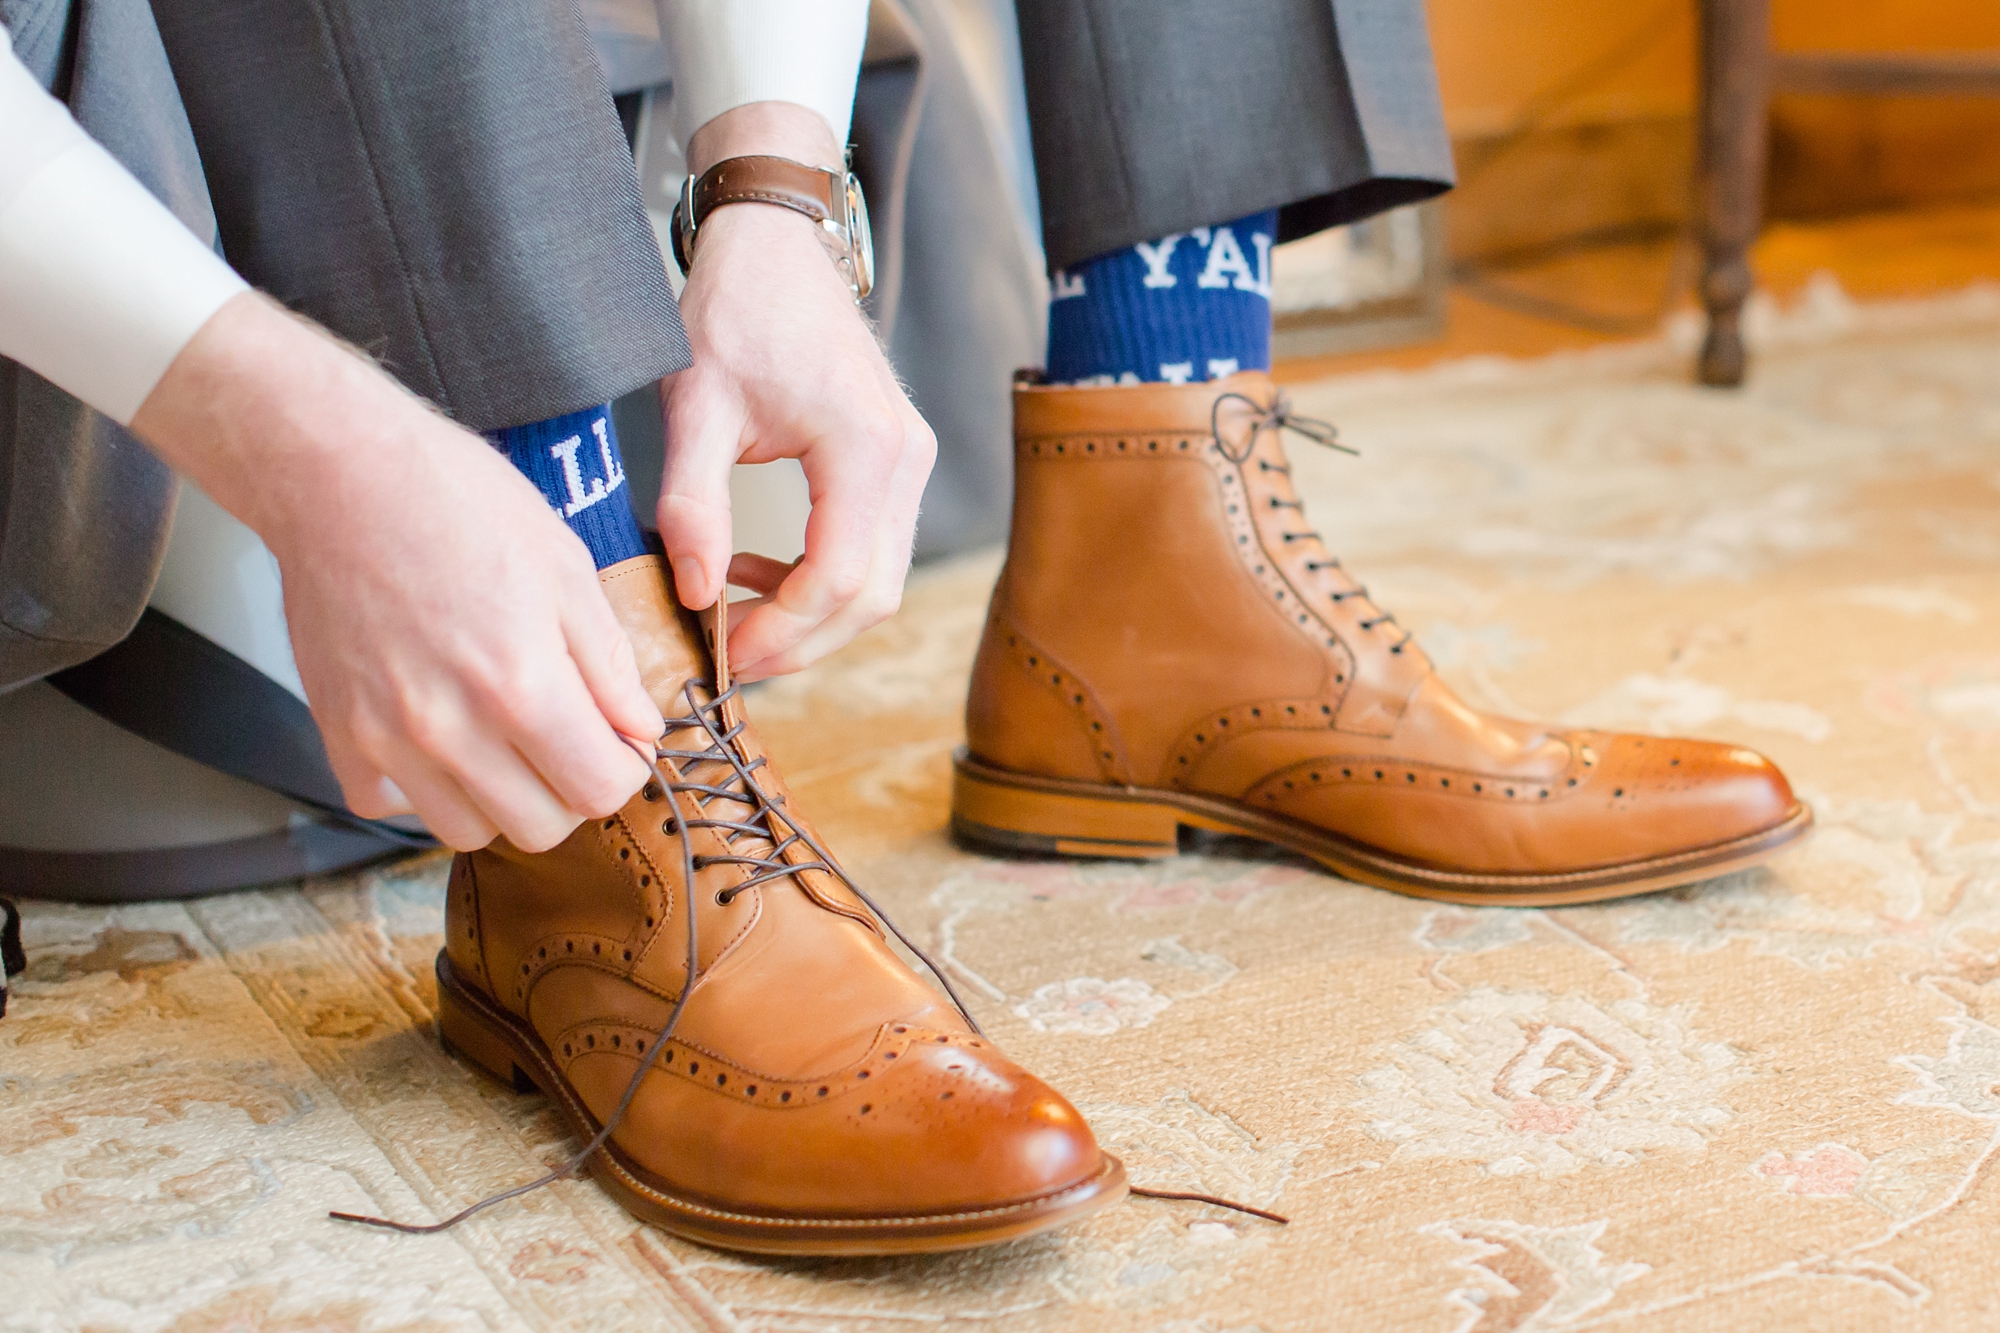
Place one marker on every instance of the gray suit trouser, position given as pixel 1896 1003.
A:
pixel 446 186
pixel 1154 116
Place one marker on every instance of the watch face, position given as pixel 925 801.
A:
pixel 861 241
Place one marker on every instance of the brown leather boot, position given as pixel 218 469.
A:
pixel 1169 645
pixel 816 1096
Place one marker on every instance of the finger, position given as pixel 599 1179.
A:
pixel 604 659
pixel 704 436
pixel 451 815
pixel 554 724
pixel 467 742
pixel 509 792
pixel 769 646
pixel 391 802
pixel 847 481
pixel 364 788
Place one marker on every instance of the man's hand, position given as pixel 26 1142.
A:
pixel 458 653
pixel 786 367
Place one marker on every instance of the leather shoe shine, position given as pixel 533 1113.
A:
pixel 816 1095
pixel 1170 646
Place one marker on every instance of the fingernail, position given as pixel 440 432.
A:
pixel 689 578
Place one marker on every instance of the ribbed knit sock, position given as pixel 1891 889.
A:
pixel 574 459
pixel 1192 306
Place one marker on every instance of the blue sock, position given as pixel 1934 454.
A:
pixel 574 459
pixel 1192 306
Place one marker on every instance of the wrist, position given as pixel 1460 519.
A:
pixel 773 129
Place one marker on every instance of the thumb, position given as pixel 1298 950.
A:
pixel 704 436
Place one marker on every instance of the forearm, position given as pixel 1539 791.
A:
pixel 248 411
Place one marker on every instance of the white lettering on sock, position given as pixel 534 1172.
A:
pixel 1067 284
pixel 1221 367
pixel 579 499
pixel 1262 245
pixel 1225 257
pixel 1128 377
pixel 614 475
pixel 1177 372
pixel 1157 257
pixel 1201 234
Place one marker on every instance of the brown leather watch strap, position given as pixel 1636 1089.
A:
pixel 831 199
pixel 766 180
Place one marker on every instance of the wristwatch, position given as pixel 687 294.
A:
pixel 830 198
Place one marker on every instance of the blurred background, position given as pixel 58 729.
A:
pixel 1574 127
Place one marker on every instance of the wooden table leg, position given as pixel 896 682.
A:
pixel 1735 91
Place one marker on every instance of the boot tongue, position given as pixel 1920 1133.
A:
pixel 675 646
pixel 666 639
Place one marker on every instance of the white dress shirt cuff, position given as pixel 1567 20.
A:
pixel 728 53
pixel 100 285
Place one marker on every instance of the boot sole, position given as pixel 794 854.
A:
pixel 480 1032
pixel 994 809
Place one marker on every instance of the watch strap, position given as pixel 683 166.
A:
pixel 757 180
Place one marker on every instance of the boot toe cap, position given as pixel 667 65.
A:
pixel 933 1125
pixel 960 1126
pixel 1675 794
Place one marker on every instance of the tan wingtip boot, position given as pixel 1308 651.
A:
pixel 817 1097
pixel 1170 645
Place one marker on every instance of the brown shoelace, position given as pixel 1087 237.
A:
pixel 1279 416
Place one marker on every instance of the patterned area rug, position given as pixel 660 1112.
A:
pixel 1767 1101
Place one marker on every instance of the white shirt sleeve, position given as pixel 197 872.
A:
pixel 100 285
pixel 726 53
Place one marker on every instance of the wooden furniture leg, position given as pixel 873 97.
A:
pixel 1735 91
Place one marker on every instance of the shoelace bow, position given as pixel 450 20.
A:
pixel 759 841
pixel 1278 415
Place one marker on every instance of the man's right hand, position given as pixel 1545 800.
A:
pixel 457 651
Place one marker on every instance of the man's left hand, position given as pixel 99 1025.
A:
pixel 785 366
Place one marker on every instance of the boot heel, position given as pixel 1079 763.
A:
pixel 996 811
pixel 465 1035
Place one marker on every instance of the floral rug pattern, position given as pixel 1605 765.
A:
pixel 1771 1100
